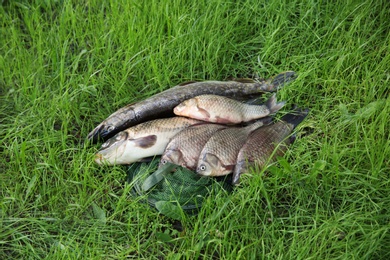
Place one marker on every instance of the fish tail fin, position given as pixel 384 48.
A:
pixel 273 106
pixel 278 81
pixel 296 117
pixel 282 79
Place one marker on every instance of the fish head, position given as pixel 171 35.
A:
pixel 191 108
pixel 172 156
pixel 112 149
pixel 211 165
pixel 102 131
pixel 185 107
pixel 123 149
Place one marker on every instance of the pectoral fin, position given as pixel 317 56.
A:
pixel 205 114
pixel 146 141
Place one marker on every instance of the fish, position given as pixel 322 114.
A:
pixel 162 104
pixel 141 141
pixel 219 154
pixel 184 149
pixel 224 110
pixel 266 143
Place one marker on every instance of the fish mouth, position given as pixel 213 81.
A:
pixel 101 133
pixel 102 159
pixel 112 150
pixel 110 155
pixel 99 158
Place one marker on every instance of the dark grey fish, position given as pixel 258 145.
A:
pixel 261 144
pixel 163 103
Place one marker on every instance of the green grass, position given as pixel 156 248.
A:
pixel 66 65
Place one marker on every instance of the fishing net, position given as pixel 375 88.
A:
pixel 173 186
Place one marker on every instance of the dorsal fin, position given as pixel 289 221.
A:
pixel 187 83
pixel 244 80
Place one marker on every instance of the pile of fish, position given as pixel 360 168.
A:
pixel 213 128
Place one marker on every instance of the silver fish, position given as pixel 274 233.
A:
pixel 141 141
pixel 218 156
pixel 184 149
pixel 261 144
pixel 224 110
pixel 161 104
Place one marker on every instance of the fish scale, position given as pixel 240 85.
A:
pixel 261 143
pixel 269 138
pixel 219 154
pixel 185 147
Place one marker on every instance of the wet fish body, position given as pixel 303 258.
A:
pixel 218 156
pixel 184 149
pixel 141 141
pixel 224 110
pixel 262 142
pixel 163 103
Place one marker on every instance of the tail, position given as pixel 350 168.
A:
pixel 282 79
pixel 296 116
pixel 273 106
pixel 278 81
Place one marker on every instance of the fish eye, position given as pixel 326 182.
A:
pixel 120 136
pixel 202 167
pixel 110 128
pixel 163 161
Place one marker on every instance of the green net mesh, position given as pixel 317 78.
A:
pixel 174 184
